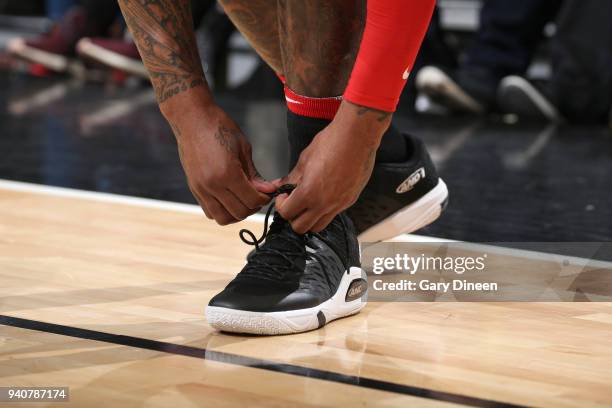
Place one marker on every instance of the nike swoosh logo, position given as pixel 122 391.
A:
pixel 288 99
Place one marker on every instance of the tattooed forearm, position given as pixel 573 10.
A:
pixel 163 32
pixel 227 138
pixel 382 115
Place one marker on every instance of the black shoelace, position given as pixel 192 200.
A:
pixel 252 239
pixel 263 263
pixel 291 250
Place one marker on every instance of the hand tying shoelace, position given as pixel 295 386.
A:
pixel 283 256
pixel 283 252
pixel 251 238
pixel 289 281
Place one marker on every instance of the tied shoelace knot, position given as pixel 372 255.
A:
pixel 247 236
pixel 274 262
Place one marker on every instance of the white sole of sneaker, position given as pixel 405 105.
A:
pixel 436 84
pixel 111 59
pixel 410 218
pixel 55 62
pixel 293 321
pixel 513 84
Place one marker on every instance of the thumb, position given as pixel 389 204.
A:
pixel 280 200
pixel 278 182
pixel 262 185
pixel 294 177
pixel 253 175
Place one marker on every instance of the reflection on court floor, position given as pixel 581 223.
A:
pixel 105 294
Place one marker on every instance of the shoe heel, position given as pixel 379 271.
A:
pixel 410 218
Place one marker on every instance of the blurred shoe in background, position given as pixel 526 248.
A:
pixel 120 54
pixel 527 100
pixel 435 51
pixel 462 91
pixel 504 44
pixel 54 49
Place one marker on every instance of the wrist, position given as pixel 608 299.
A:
pixel 194 121
pixel 197 99
pixel 369 123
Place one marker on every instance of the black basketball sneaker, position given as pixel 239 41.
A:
pixel 292 283
pixel 399 197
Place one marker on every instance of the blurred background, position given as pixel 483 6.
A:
pixel 511 97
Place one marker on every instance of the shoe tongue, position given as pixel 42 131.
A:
pixel 279 225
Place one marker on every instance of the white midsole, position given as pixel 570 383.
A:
pixel 292 321
pixel 434 82
pixel 417 215
pixel 111 59
pixel 547 109
pixel 55 62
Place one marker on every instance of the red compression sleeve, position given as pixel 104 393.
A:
pixel 392 36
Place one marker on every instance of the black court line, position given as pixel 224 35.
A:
pixel 238 360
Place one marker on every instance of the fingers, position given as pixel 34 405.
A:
pixel 233 205
pixel 279 202
pixel 323 222
pixel 218 212
pixel 277 183
pixel 240 199
pixel 304 222
pixel 248 194
pixel 205 209
pixel 263 186
pixel 293 205
pixel 311 221
pixel 246 157
pixel 212 208
pixel 231 201
pixel 302 213
pixel 201 203
pixel 294 177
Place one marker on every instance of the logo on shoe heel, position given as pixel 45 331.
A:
pixel 411 181
pixel 356 290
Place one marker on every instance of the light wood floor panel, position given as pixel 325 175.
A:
pixel 102 375
pixel 148 273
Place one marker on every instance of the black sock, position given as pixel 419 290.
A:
pixel 394 147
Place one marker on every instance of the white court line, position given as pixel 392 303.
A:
pixel 100 197
pixel 194 209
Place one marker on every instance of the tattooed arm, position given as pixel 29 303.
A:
pixel 163 32
pixel 214 153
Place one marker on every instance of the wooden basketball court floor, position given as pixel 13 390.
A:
pixel 106 294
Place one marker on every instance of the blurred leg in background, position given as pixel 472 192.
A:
pixel 504 45
pixel 55 49
pixel 120 53
pixel 57 8
pixel 580 87
pixel 81 28
pixel 434 51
